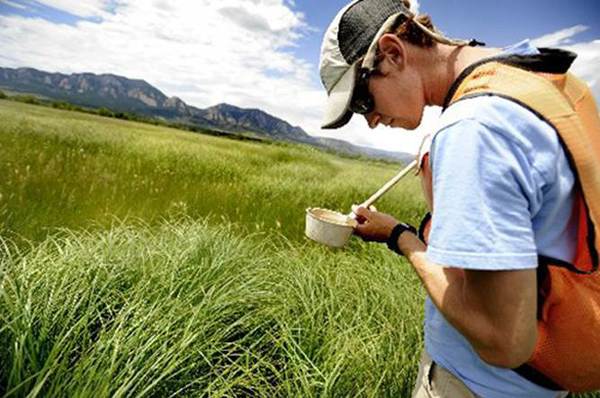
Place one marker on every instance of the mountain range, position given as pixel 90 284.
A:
pixel 120 94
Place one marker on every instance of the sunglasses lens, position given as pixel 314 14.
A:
pixel 362 105
pixel 362 102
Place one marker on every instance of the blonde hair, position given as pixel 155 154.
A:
pixel 409 30
pixel 417 30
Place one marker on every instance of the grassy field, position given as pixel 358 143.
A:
pixel 189 309
pixel 161 262
pixel 65 169
pixel 145 261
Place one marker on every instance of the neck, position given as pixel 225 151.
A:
pixel 445 67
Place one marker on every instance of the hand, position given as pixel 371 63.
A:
pixel 372 225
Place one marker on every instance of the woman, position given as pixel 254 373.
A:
pixel 502 188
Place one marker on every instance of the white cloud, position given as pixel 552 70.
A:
pixel 559 38
pixel 203 51
pixel 587 64
pixel 196 44
pixel 414 6
pixel 81 8
pixel 14 4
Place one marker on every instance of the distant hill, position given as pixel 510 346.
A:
pixel 120 94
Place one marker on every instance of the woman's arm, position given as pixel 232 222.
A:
pixel 494 310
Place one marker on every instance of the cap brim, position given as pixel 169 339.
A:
pixel 337 113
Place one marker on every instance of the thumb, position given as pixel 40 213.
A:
pixel 362 229
pixel 362 214
pixel 359 231
pixel 361 211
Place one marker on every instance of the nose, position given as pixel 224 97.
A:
pixel 373 119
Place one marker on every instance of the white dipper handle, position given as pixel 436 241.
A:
pixel 389 185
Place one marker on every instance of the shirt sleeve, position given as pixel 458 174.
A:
pixel 483 190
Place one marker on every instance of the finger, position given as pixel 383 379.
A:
pixel 361 211
pixel 360 219
pixel 362 232
pixel 359 230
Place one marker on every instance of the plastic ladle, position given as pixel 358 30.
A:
pixel 388 185
pixel 334 229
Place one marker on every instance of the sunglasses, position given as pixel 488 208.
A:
pixel 362 101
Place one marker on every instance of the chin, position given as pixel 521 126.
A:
pixel 414 124
pixel 409 124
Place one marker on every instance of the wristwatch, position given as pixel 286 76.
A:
pixel 392 242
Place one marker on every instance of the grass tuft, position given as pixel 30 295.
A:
pixel 188 308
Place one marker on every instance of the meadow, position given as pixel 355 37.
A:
pixel 67 170
pixel 138 260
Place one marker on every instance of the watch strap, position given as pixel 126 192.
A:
pixel 392 242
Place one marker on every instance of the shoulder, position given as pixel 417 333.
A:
pixel 500 115
pixel 484 187
pixel 496 124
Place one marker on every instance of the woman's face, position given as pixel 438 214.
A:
pixel 398 92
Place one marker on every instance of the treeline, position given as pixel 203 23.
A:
pixel 105 112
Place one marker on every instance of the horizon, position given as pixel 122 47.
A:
pixel 156 88
pixel 143 81
pixel 135 80
pixel 270 49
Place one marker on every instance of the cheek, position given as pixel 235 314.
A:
pixel 389 101
pixel 398 102
pixel 414 108
pixel 414 105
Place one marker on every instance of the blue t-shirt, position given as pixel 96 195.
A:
pixel 503 194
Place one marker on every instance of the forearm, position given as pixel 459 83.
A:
pixel 494 310
pixel 445 288
pixel 482 325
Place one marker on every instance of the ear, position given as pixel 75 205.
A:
pixel 392 50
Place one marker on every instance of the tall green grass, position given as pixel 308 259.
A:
pixel 66 169
pixel 231 301
pixel 143 261
pixel 188 308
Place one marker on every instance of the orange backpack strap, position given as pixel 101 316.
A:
pixel 560 99
pixel 567 353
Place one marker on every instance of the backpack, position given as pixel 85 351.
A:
pixel 567 352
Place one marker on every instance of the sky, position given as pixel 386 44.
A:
pixel 263 53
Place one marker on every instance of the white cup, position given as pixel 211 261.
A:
pixel 329 227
